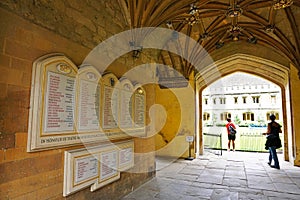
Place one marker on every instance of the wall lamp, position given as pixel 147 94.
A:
pixel 136 50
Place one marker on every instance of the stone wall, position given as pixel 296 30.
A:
pixel 29 30
pixel 86 22
pixel 295 110
pixel 175 122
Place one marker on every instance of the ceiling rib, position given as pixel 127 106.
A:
pixel 295 30
pixel 254 18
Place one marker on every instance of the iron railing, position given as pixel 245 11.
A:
pixel 246 141
pixel 213 141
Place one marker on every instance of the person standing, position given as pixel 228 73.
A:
pixel 273 141
pixel 231 130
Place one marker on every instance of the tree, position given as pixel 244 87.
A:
pixel 237 120
pixel 214 119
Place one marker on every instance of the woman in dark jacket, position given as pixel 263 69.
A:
pixel 273 141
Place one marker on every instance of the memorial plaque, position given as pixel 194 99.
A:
pixel 126 158
pixel 96 166
pixel 86 168
pixel 108 168
pixel 59 104
pixel 81 169
pixel 110 107
pixel 88 110
pixel 66 103
pixel 126 109
pixel 51 116
pixel 126 155
pixel 139 110
pixel 108 164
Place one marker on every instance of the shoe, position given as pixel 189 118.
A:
pixel 228 150
pixel 273 166
pixel 269 163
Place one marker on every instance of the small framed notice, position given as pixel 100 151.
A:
pixel 80 169
pixel 97 166
pixel 108 164
pixel 189 138
pixel 126 155
pixel 86 168
pixel 108 168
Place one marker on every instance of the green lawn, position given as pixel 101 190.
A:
pixel 243 142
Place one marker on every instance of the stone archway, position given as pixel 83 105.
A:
pixel 267 69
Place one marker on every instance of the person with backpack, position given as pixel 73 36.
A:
pixel 231 130
pixel 273 141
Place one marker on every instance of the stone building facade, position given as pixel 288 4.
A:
pixel 246 99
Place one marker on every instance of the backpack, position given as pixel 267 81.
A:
pixel 231 130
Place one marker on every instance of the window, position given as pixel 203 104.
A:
pixel 255 99
pixel 206 116
pixel 272 113
pixel 214 100
pixel 225 115
pixel 235 100
pixel 248 116
pixel 244 99
pixel 273 99
pixel 222 100
pixel 206 101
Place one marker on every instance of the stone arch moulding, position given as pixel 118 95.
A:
pixel 272 71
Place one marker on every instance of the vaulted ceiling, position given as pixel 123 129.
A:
pixel 274 24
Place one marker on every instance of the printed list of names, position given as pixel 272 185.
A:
pixel 59 108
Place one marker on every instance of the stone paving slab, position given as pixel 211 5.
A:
pixel 234 175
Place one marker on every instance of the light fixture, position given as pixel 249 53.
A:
pixel 270 28
pixel 252 40
pixel 235 38
pixel 234 12
pixel 194 15
pixel 140 91
pixel 193 9
pixel 169 25
pixel 175 35
pixel 219 44
pixel 235 32
pixel 282 4
pixel 136 50
pixel 205 36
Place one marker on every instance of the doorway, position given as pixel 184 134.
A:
pixel 249 101
pixel 242 63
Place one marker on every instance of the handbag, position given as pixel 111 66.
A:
pixel 273 140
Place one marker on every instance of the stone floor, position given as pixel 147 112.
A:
pixel 234 175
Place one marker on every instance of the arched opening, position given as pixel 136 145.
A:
pixel 249 101
pixel 269 70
